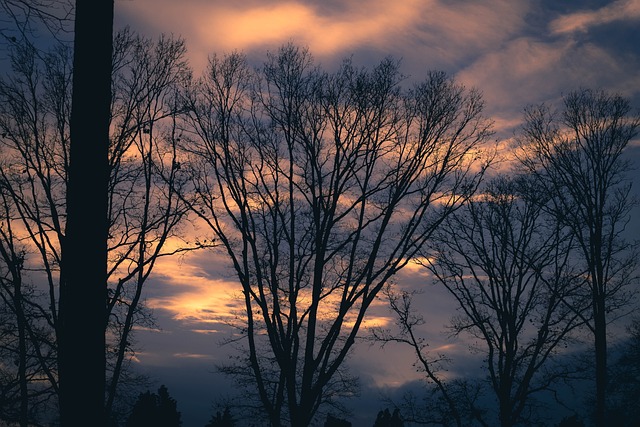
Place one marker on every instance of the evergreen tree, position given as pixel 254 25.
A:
pixel 167 409
pixel 222 420
pixel 158 410
pixel 144 411
pixel 386 419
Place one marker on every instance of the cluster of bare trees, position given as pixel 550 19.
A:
pixel 536 258
pixel 319 187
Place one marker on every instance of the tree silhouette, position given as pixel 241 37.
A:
pixel 15 326
pixel 144 411
pixel 34 323
pixel 333 421
pixel 158 410
pixel 22 19
pixel 224 419
pixel 448 402
pixel 578 157
pixel 386 419
pixel 508 265
pixel 320 187
pixel 146 215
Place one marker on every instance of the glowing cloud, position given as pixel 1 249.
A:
pixel 324 34
pixel 581 21
pixel 441 30
pixel 195 296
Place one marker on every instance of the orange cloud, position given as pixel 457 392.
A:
pixel 196 297
pixel 417 267
pixel 323 34
pixel 439 29
pixel 581 21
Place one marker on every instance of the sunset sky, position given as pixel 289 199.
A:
pixel 516 52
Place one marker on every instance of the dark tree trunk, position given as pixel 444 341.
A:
pixel 600 338
pixel 81 331
pixel 22 346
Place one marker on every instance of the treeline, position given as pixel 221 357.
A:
pixel 319 187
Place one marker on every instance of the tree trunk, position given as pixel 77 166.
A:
pixel 505 410
pixel 22 348
pixel 81 330
pixel 600 338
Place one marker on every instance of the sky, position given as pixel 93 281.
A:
pixel 516 53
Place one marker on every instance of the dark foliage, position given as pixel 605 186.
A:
pixel 158 410
pixel 336 422
pixel 387 419
pixel 224 419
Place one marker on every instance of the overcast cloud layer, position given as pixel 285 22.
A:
pixel 516 52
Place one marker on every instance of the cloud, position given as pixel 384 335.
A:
pixel 620 10
pixel 192 294
pixel 192 356
pixel 324 34
pixel 442 30
pixel 530 71
pixel 215 27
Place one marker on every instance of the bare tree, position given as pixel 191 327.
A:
pixel 22 20
pixel 447 402
pixel 145 215
pixel 508 266
pixel 578 155
pixel 25 338
pixel 320 187
pixel 32 212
